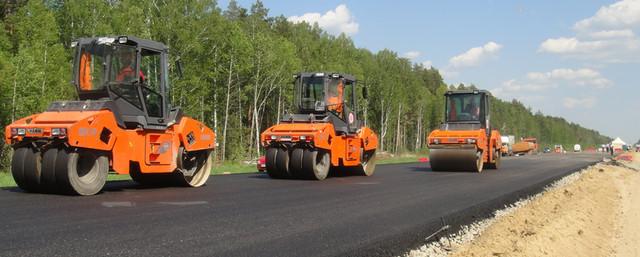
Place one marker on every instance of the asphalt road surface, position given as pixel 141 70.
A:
pixel 252 215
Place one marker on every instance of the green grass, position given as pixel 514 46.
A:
pixel 6 180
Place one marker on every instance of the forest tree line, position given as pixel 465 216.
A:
pixel 237 66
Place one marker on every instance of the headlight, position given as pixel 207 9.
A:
pixel 273 137
pixel 58 131
pixel 471 140
pixel 14 131
pixel 21 131
pixel 436 141
pixel 302 138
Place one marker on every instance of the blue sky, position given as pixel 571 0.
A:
pixel 573 59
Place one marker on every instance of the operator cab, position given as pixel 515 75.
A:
pixel 328 97
pixel 466 110
pixel 131 74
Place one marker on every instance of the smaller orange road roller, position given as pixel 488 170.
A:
pixel 324 133
pixel 123 122
pixel 465 141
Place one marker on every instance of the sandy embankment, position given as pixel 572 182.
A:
pixel 595 214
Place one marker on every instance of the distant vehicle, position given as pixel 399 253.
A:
pixel 526 146
pixel 262 164
pixel 507 145
pixel 577 148
pixel 638 148
pixel 558 149
pixel 547 150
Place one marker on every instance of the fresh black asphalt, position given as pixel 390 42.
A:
pixel 252 215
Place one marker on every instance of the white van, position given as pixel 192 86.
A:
pixel 577 148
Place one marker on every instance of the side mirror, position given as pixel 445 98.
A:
pixel 365 93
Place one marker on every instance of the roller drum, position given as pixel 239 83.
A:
pixel 455 159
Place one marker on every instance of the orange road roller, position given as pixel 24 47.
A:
pixel 324 133
pixel 123 122
pixel 465 141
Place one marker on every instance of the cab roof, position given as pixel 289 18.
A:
pixel 468 91
pixel 130 40
pixel 326 74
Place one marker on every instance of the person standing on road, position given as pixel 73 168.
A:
pixel 611 149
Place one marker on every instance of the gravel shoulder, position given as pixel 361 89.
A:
pixel 595 213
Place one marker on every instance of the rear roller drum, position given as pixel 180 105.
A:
pixel 194 167
pixel 479 162
pixel 315 164
pixel 368 163
pixel 26 168
pixel 81 171
pixel 496 163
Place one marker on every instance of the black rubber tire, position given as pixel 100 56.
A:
pixel 33 170
pixel 282 163
pixel 295 163
pixel 85 172
pixel 17 167
pixel 48 176
pixel 496 165
pixel 270 161
pixel 315 164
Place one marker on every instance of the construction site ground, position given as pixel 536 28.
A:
pixel 595 212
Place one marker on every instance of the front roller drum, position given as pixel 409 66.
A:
pixel 456 160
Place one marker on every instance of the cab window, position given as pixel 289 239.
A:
pixel 151 73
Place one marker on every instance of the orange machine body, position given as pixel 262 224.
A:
pixel 345 150
pixel 154 150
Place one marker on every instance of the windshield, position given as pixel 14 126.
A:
pixel 310 93
pixel 464 107
pixel 94 59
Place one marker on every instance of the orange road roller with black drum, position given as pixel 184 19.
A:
pixel 324 134
pixel 122 122
pixel 465 141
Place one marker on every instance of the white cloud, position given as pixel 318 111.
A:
pixel 412 54
pixel 538 83
pixel 565 45
pixel 586 102
pixel 608 36
pixel 473 56
pixel 427 64
pixel 625 13
pixel 335 21
pixel 579 77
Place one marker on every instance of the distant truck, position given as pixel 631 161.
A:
pixel 507 145
pixel 526 146
pixel 558 149
pixel 577 148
